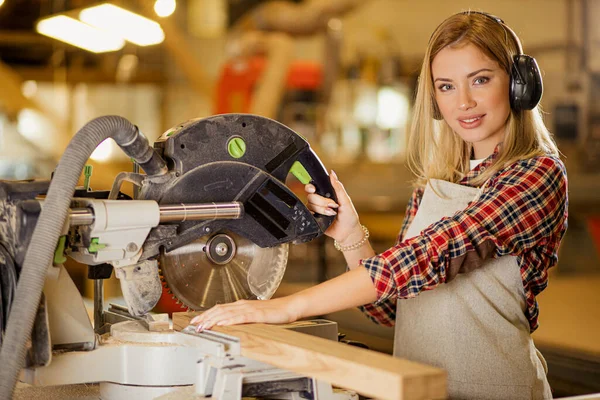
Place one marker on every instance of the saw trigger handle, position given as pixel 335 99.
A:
pixel 320 179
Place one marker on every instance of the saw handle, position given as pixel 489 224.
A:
pixel 319 178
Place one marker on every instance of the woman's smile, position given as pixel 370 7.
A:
pixel 471 122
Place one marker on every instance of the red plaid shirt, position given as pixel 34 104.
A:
pixel 522 211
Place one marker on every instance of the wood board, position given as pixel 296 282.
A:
pixel 368 372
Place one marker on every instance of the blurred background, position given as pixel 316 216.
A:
pixel 340 72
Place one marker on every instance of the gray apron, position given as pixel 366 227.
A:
pixel 474 327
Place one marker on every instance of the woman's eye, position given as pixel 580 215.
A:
pixel 445 87
pixel 481 80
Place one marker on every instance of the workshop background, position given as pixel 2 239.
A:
pixel 341 73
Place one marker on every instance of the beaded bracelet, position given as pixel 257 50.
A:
pixel 355 245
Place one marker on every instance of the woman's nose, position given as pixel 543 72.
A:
pixel 466 100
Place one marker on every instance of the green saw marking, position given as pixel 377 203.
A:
pixel 87 173
pixel 236 147
pixel 95 245
pixel 301 173
pixel 59 253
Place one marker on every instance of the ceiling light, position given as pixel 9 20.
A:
pixel 29 88
pixel 78 34
pixel 164 8
pixel 131 26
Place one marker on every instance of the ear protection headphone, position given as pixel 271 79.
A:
pixel 526 88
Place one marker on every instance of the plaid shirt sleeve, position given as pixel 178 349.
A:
pixel 384 312
pixel 522 212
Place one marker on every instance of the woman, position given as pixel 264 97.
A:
pixel 481 230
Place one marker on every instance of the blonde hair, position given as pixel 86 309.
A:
pixel 435 151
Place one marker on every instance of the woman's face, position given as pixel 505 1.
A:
pixel 472 92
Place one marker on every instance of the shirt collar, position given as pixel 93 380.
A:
pixel 478 170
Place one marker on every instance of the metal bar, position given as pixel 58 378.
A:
pixel 174 213
pixel 81 346
pixel 98 305
pixel 194 212
pixel 118 308
pixel 80 216
pixel 136 188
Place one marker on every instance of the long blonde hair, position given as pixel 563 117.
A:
pixel 435 151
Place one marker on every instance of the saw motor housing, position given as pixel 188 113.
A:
pixel 202 168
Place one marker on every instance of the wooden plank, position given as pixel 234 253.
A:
pixel 368 372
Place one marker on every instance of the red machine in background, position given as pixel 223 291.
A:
pixel 238 81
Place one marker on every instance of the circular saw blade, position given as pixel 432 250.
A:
pixel 200 282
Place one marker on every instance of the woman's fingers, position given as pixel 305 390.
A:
pixel 322 201
pixel 321 210
pixel 322 205
pixel 216 314
pixel 246 311
pixel 239 312
pixel 319 204
pixel 340 191
pixel 318 199
pixel 221 319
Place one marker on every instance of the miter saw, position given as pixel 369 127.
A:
pixel 213 218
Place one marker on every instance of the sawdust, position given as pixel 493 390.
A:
pixel 188 393
pixel 24 391
pixel 110 341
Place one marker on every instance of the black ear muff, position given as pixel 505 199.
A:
pixel 526 86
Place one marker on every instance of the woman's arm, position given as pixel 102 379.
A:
pixel 351 289
pixel 348 290
pixel 524 210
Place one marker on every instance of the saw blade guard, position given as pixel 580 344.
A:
pixel 245 158
pixel 251 139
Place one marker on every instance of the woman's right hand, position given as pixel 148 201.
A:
pixel 275 311
pixel 346 228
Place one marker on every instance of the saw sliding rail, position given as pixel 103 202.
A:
pixel 173 213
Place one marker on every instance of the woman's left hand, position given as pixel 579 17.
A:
pixel 277 311
pixel 346 225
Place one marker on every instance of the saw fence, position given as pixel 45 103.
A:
pixel 368 372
